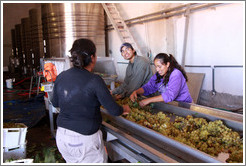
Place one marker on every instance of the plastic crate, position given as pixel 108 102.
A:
pixel 14 137
pixel 21 161
pixel 14 153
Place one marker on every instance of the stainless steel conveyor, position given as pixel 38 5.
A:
pixel 151 146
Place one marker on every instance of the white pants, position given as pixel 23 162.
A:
pixel 78 148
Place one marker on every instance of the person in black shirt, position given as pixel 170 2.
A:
pixel 79 94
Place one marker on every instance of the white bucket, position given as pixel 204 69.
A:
pixel 9 83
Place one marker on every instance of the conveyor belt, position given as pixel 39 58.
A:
pixel 141 149
pixel 160 145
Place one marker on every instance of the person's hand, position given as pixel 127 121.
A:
pixel 144 102
pixel 134 96
pixel 117 97
pixel 126 109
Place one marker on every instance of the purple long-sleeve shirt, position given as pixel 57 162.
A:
pixel 176 89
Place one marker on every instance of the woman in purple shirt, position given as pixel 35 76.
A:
pixel 169 80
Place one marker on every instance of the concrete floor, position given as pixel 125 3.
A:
pixel 39 136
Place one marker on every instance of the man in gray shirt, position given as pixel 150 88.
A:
pixel 138 72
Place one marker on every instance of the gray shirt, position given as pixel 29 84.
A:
pixel 138 73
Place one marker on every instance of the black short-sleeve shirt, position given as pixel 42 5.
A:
pixel 79 94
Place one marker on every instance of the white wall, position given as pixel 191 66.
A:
pixel 215 37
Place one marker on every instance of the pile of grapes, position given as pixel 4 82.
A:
pixel 209 137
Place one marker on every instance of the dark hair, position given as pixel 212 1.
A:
pixel 128 45
pixel 81 52
pixel 173 64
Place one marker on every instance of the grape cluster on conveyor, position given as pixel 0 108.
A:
pixel 211 137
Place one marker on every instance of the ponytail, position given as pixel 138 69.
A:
pixel 178 66
pixel 81 52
